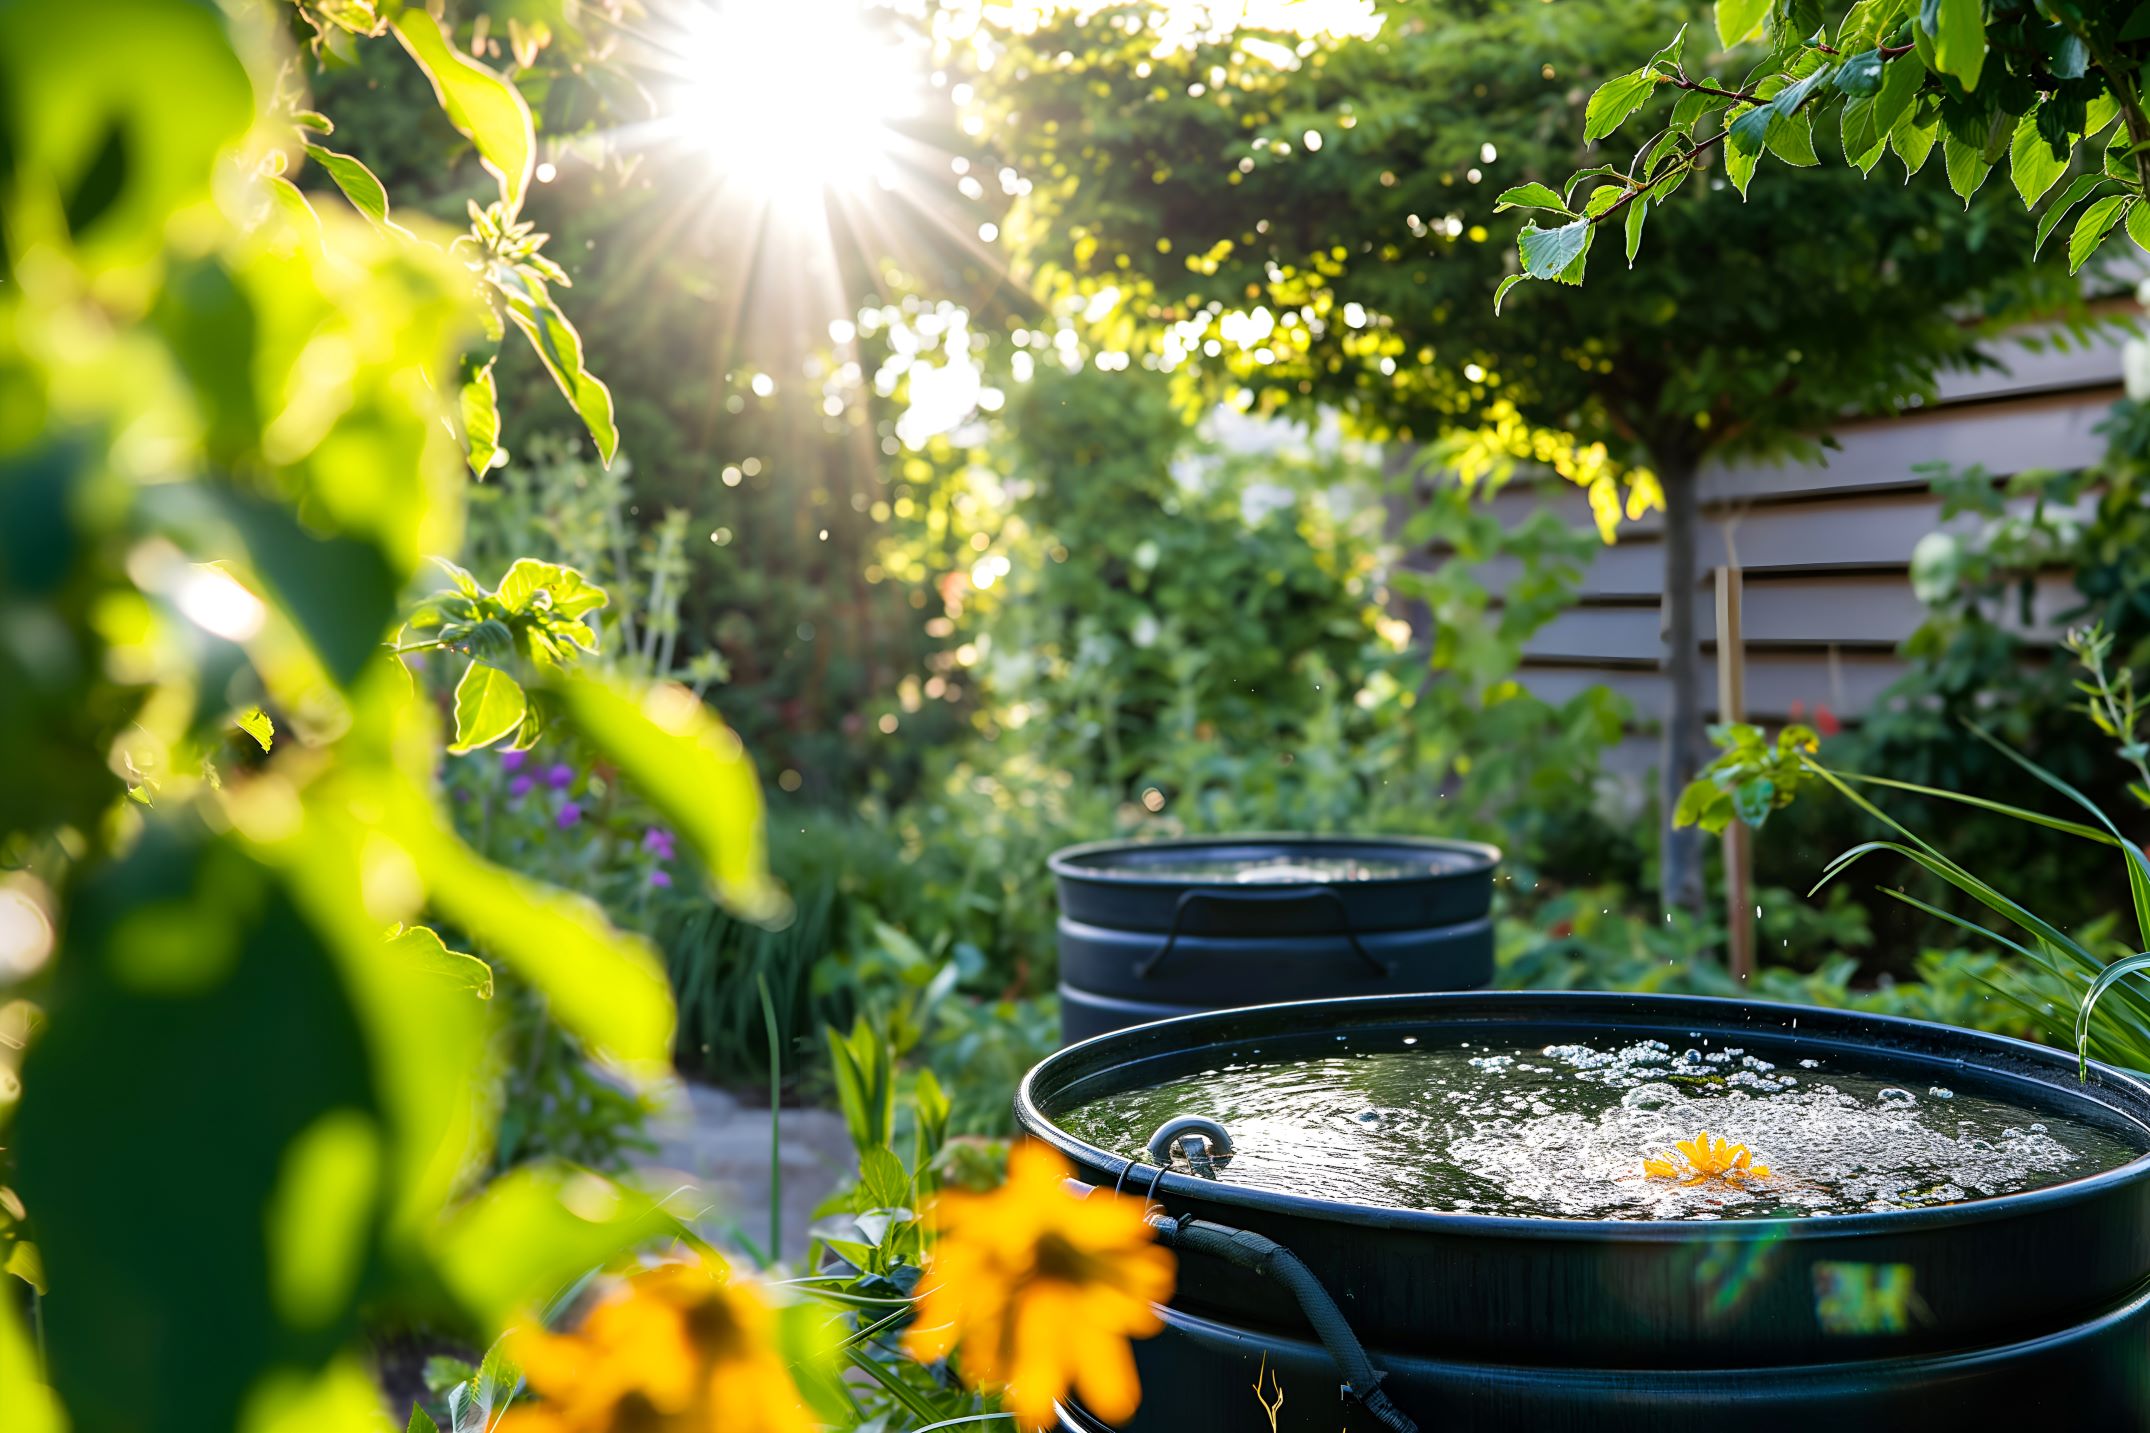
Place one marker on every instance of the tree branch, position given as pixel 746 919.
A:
pixel 1681 82
pixel 1635 189
pixel 2131 106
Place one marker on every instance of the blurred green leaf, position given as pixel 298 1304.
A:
pixel 133 101
pixel 29 1404
pixel 256 724
pixel 1736 19
pixel 604 985
pixel 423 946
pixel 534 1231
pixel 676 754
pixel 191 973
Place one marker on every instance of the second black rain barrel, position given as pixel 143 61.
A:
pixel 1153 929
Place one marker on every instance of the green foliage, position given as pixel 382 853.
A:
pixel 214 499
pixel 1751 777
pixel 1373 262
pixel 2029 82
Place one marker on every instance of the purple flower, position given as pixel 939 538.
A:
pixel 662 880
pixel 569 815
pixel 658 842
pixel 560 776
pixel 512 761
pixel 521 786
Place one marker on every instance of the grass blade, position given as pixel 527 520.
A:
pixel 1963 881
pixel 2001 808
pixel 2138 866
pixel 2112 975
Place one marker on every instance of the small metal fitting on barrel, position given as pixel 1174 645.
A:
pixel 1203 1142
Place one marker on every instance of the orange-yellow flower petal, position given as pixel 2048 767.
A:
pixel 674 1349
pixel 1705 1158
pixel 1038 1290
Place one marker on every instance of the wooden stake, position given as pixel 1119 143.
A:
pixel 1738 840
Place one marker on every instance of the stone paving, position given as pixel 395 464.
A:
pixel 719 1143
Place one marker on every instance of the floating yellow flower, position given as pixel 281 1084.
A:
pixel 673 1349
pixel 1706 1158
pixel 1043 1289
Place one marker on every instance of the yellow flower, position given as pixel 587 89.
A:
pixel 1706 1158
pixel 1043 1289
pixel 673 1349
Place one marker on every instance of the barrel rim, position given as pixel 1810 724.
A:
pixel 1072 862
pixel 2045 1199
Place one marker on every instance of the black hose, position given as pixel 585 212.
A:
pixel 1265 1256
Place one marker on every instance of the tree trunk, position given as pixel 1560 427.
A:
pixel 1680 885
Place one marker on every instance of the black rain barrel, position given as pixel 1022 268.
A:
pixel 1150 930
pixel 2022 1306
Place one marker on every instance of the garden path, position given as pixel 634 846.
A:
pixel 719 1142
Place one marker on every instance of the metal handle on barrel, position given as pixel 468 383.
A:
pixel 1264 897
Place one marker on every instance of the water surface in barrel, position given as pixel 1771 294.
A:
pixel 1610 1130
pixel 1281 868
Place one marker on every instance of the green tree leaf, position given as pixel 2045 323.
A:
pixel 1548 253
pixel 1967 166
pixel 1501 292
pixel 1860 76
pixel 1861 135
pixel 487 108
pixel 2103 109
pixel 1901 80
pixel 1791 139
pixel 1636 210
pixel 2091 229
pixel 1531 196
pixel 1739 166
pixel 2031 165
pixel 1614 101
pixel 1913 143
pixel 2138 223
pixel 488 705
pixel 356 181
pixel 1959 31
pixel 2077 191
pixel 559 347
pixel 1736 19
pixel 1669 56
pixel 478 403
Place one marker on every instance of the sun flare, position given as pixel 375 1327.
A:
pixel 793 100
